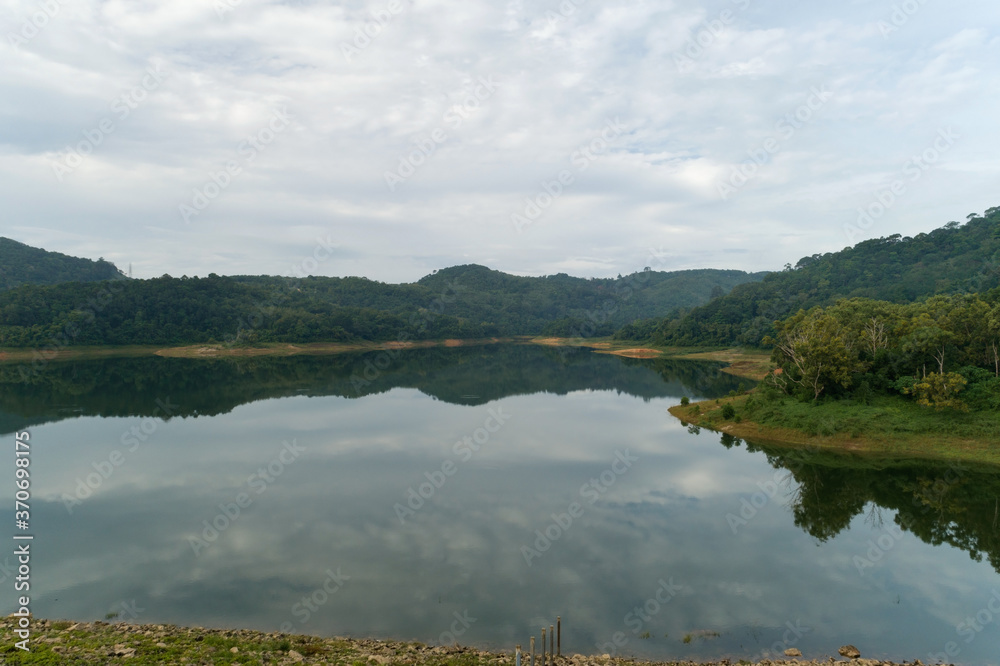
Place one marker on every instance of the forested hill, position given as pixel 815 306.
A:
pixel 955 258
pixel 459 302
pixel 23 264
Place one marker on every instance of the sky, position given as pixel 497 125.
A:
pixel 390 138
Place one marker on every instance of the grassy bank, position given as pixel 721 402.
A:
pixel 887 427
pixel 63 642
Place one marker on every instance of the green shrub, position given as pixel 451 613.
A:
pixel 728 412
pixel 685 401
pixel 984 395
pixel 864 393
pixel 904 385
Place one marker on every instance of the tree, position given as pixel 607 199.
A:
pixel 993 342
pixel 875 335
pixel 814 350
pixel 940 391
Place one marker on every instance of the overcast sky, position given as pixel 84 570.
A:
pixel 592 138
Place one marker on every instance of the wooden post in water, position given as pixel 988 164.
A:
pixel 558 635
pixel 543 646
pixel 517 658
pixel 532 651
pixel 552 643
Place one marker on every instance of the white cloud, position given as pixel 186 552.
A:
pixel 559 80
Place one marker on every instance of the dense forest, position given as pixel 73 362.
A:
pixel 957 258
pixel 460 302
pixel 23 264
pixel 943 352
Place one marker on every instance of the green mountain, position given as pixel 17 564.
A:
pixel 461 302
pixel 23 264
pixel 957 258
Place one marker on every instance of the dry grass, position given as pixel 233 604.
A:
pixel 638 352
pixel 752 365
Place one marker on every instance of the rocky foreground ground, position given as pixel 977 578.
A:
pixel 63 642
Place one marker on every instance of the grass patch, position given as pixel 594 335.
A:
pixel 887 426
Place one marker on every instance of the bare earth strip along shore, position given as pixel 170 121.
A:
pixel 63 642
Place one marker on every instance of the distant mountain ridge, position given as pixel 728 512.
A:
pixel 954 258
pixel 22 264
pixel 468 301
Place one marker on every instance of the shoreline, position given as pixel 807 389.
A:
pixel 750 364
pixel 741 363
pixel 218 350
pixel 930 446
pixel 62 641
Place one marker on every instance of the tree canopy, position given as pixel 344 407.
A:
pixel 23 264
pixel 460 302
pixel 957 258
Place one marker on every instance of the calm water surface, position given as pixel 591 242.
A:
pixel 501 485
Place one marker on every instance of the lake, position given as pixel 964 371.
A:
pixel 472 495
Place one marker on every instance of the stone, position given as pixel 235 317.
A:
pixel 122 650
pixel 849 651
pixel 793 652
pixel 295 656
pixel 234 650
